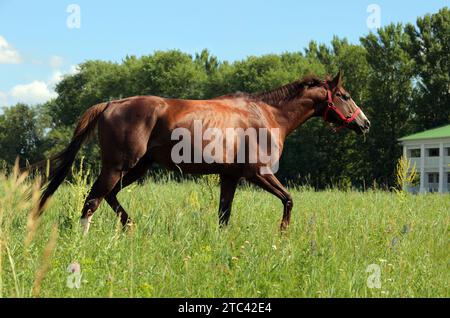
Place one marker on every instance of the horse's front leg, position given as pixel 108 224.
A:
pixel 271 184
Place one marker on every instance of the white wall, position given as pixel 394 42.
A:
pixel 426 164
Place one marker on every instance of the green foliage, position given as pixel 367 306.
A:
pixel 406 176
pixel 176 248
pixel 170 74
pixel 322 158
pixel 390 98
pixel 269 71
pixel 20 134
pixel 400 76
pixel 429 46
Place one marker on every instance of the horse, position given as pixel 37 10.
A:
pixel 135 132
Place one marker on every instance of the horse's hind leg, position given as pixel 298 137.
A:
pixel 105 182
pixel 228 186
pixel 133 175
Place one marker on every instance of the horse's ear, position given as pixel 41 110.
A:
pixel 337 80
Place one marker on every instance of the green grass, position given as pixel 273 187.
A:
pixel 177 250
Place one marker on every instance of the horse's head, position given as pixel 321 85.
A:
pixel 336 106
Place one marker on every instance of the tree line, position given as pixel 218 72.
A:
pixel 400 76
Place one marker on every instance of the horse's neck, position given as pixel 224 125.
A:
pixel 293 114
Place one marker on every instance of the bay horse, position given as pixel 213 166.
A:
pixel 137 131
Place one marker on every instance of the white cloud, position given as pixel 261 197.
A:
pixel 37 92
pixel 3 99
pixel 33 93
pixel 57 77
pixel 56 62
pixel 8 55
pixel 74 70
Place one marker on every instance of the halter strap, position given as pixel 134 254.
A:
pixel 331 106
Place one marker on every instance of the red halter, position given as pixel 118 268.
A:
pixel 330 105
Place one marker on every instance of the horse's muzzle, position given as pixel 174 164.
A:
pixel 360 127
pixel 366 126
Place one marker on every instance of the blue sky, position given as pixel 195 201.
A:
pixel 37 47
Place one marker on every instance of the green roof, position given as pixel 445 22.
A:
pixel 440 132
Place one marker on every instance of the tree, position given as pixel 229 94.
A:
pixel 170 74
pixel 400 76
pixel 20 135
pixel 429 46
pixel 96 82
pixel 390 98
pixel 269 71
pixel 208 62
pixel 324 158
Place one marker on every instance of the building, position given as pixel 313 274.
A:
pixel 430 152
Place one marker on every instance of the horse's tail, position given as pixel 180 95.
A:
pixel 61 163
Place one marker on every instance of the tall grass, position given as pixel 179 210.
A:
pixel 176 248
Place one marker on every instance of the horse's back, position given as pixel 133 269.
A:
pixel 136 125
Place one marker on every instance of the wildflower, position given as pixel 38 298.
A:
pixel 74 268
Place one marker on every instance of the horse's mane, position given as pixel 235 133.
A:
pixel 281 94
pixel 288 91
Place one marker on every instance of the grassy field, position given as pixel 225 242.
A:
pixel 177 250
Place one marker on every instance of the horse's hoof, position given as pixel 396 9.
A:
pixel 129 225
pixel 85 224
pixel 283 227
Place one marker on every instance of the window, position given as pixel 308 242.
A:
pixel 433 152
pixel 414 153
pixel 448 178
pixel 433 178
pixel 448 151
